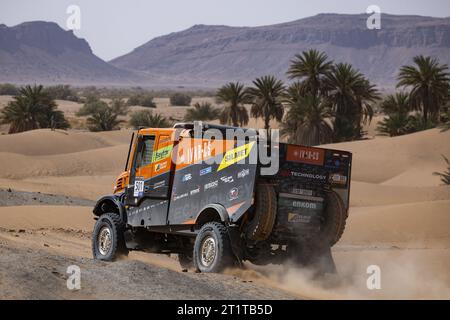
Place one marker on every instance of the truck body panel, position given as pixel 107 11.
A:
pixel 223 176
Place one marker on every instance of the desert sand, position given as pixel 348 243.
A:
pixel 399 217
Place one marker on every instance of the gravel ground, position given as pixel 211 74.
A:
pixel 9 197
pixel 29 272
pixel 37 274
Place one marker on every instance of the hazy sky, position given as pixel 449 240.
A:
pixel 113 28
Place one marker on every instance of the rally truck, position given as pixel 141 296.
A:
pixel 215 201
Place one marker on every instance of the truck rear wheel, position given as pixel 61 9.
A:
pixel 335 218
pixel 107 237
pixel 260 226
pixel 212 248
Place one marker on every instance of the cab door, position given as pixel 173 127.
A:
pixel 161 167
pixel 151 167
pixel 141 169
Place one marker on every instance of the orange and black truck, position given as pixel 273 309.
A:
pixel 218 196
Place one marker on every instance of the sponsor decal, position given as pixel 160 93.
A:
pixel 163 139
pixel 187 177
pixel 235 155
pixel 338 178
pixel 284 195
pixel 162 153
pixel 295 217
pixel 159 184
pixel 205 171
pixel 228 179
pixel 335 163
pixel 211 185
pixel 197 153
pixel 284 173
pixel 313 176
pixel 160 166
pixel 146 208
pixel 138 187
pixel 243 173
pixel 194 191
pixel 233 194
pixel 305 155
pixel 303 192
pixel 179 196
pixel 304 205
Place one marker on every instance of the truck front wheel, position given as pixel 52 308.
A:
pixel 212 249
pixel 107 237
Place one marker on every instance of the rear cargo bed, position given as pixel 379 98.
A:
pixel 305 177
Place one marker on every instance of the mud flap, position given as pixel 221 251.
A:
pixel 319 259
pixel 130 240
pixel 236 243
pixel 322 262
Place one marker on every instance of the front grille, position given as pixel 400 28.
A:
pixel 119 184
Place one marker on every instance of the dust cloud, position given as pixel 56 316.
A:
pixel 404 274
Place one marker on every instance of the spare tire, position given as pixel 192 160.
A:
pixel 260 226
pixel 335 217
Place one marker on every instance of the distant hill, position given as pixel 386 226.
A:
pixel 209 55
pixel 43 52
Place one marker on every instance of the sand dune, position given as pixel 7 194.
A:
pixel 46 142
pixel 88 187
pixel 373 194
pixel 100 161
pixel 422 223
pixel 381 160
pixel 43 217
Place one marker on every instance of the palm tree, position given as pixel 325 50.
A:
pixel 397 121
pixel 351 96
pixel 145 118
pixel 101 116
pixel 267 95
pixel 308 120
pixel 202 111
pixel 310 67
pixel 396 124
pixel 396 103
pixel 294 92
pixel 445 117
pixel 429 83
pixel 445 176
pixel 234 96
pixel 33 108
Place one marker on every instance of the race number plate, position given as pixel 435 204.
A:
pixel 138 187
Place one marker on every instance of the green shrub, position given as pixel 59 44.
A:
pixel 8 89
pixel 101 116
pixel 62 92
pixel 180 99
pixel 144 100
pixel 145 118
